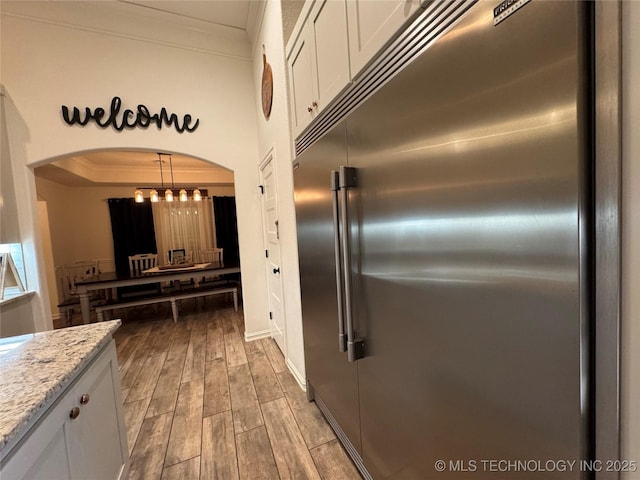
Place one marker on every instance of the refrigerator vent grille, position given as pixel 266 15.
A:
pixel 437 17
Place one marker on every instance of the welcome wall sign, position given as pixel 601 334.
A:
pixel 141 118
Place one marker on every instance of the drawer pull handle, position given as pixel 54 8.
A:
pixel 75 412
pixel 84 399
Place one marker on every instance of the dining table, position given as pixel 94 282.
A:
pixel 169 273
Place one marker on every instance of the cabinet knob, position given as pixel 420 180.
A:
pixel 74 413
pixel 315 104
pixel 309 109
pixel 276 270
pixel 84 399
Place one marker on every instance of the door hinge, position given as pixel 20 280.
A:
pixel 266 253
pixel 270 315
pixel 261 187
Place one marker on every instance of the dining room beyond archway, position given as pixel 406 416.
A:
pixel 92 216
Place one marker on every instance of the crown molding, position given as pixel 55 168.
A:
pixel 143 175
pixel 123 20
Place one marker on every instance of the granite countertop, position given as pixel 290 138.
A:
pixel 36 368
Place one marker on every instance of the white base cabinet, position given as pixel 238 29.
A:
pixel 82 436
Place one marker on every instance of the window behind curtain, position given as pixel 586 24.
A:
pixel 186 225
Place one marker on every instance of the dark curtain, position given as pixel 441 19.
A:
pixel 132 230
pixel 224 209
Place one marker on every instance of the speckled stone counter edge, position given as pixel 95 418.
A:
pixel 36 373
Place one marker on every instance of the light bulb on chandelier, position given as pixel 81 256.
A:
pixel 183 195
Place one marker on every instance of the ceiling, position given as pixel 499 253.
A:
pixel 216 27
pixel 126 168
pixel 228 13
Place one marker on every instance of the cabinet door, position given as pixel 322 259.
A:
pixel 47 453
pixel 374 24
pixel 301 76
pixel 328 25
pixel 97 446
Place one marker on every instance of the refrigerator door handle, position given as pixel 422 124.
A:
pixel 347 180
pixel 335 187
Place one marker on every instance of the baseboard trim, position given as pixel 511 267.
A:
pixel 250 337
pixel 297 375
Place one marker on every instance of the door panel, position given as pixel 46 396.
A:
pixel 332 51
pixel 272 239
pixel 467 246
pixel 302 78
pixel 98 449
pixel 373 24
pixel 332 377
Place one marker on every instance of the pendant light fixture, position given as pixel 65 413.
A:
pixel 183 195
pixel 154 193
pixel 168 193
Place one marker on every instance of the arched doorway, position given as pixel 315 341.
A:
pixel 74 212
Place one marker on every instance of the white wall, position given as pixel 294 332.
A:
pixel 79 220
pixel 46 65
pixel 13 315
pixel 631 237
pixel 9 229
pixel 47 257
pixel 274 133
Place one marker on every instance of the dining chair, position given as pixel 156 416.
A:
pixel 211 255
pixel 178 256
pixel 66 277
pixel 137 264
pixel 141 262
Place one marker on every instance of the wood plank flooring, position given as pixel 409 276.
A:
pixel 201 403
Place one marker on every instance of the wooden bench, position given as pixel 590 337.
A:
pixel 171 297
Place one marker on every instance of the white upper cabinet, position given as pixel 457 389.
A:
pixel 301 79
pixel 319 61
pixel 329 29
pixel 372 24
pixel 332 42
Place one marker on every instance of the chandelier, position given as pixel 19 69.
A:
pixel 183 194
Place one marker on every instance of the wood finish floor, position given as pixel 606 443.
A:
pixel 201 403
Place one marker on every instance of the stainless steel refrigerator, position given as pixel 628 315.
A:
pixel 444 228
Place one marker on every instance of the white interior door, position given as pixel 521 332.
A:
pixel 272 250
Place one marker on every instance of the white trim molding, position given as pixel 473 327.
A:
pixel 253 336
pixel 297 375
